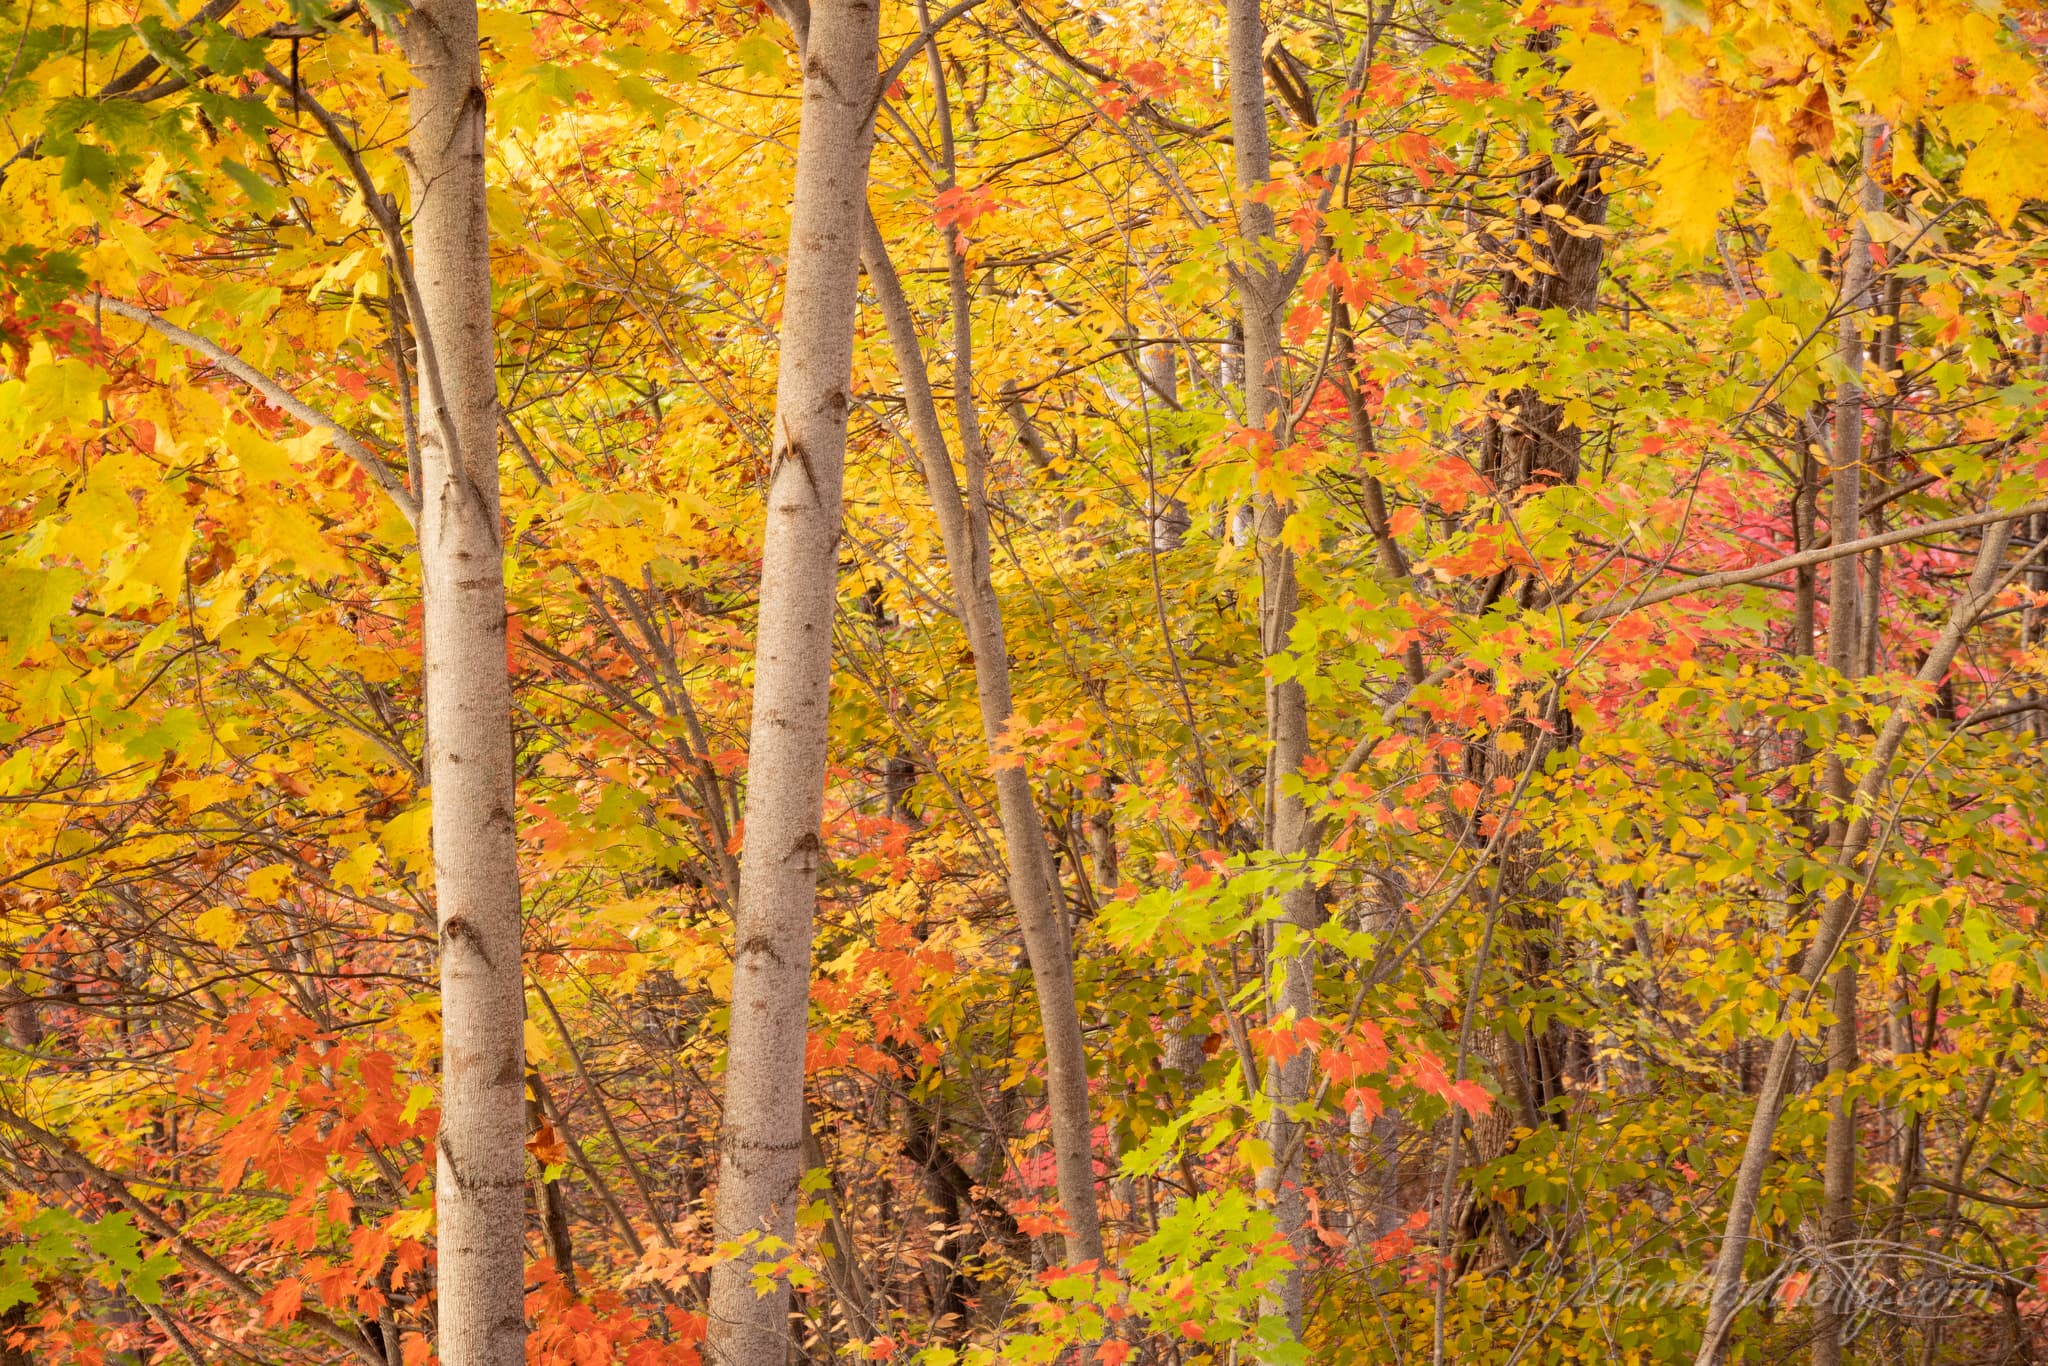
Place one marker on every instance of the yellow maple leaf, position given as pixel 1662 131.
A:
pixel 2008 167
pixel 265 883
pixel 1607 70
pixel 220 927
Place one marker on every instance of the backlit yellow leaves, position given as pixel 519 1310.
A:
pixel 1772 97
pixel 1695 172
pixel 1606 69
pixel 220 926
pixel 1952 64
pixel 2008 167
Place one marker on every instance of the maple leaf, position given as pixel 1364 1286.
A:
pixel 547 1146
pixel 281 1305
pixel 960 207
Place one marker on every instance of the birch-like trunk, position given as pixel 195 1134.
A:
pixel 760 1152
pixel 479 1189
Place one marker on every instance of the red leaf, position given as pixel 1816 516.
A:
pixel 281 1305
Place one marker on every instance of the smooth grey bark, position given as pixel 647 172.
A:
pixel 1845 456
pixel 479 1188
pixel 1846 610
pixel 1033 885
pixel 1262 294
pixel 1623 603
pixel 1041 909
pixel 760 1150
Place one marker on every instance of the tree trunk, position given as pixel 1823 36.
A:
pixel 1034 891
pixel 479 1189
pixel 1726 1290
pixel 550 1209
pixel 760 1159
pixel 1845 613
pixel 1261 292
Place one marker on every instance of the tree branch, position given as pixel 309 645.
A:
pixel 277 394
pixel 1355 758
pixel 1731 578
pixel 188 1251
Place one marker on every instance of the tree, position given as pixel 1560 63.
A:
pixel 1435 732
pixel 480 1185
pixel 762 1137
pixel 1032 880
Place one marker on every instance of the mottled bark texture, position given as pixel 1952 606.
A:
pixel 1534 444
pixel 479 1191
pixel 760 1151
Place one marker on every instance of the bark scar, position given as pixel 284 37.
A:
pixel 459 928
pixel 792 451
pixel 454 1167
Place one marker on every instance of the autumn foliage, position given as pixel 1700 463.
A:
pixel 1658 461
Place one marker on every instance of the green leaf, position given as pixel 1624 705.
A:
pixel 85 164
pixel 267 198
pixel 16 1285
pixel 30 600
pixel 145 1282
pixel 758 55
pixel 117 1241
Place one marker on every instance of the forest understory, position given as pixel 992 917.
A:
pixel 1145 683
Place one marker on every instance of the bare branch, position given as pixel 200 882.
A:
pixel 1731 578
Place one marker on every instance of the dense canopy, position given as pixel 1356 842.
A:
pixel 1198 682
